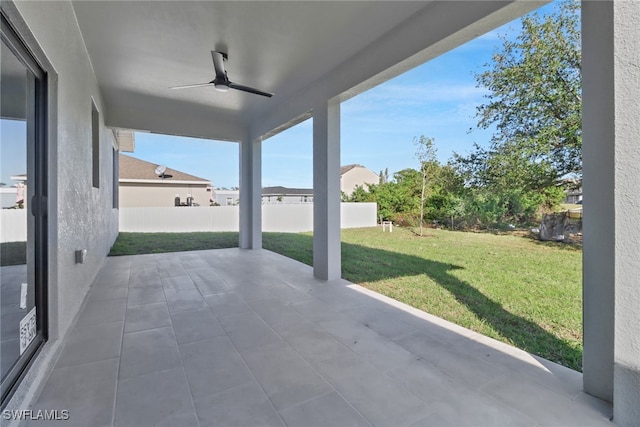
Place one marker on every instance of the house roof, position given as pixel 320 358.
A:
pixel 280 191
pixel 132 169
pixel 347 168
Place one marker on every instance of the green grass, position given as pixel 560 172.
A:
pixel 153 243
pixel 515 289
pixel 13 253
pixel 511 288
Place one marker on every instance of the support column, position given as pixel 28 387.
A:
pixel 251 194
pixel 326 191
pixel 598 197
pixel 611 155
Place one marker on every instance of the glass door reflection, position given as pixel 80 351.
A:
pixel 21 138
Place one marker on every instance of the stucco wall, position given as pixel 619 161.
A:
pixel 357 176
pixel 83 216
pixel 140 195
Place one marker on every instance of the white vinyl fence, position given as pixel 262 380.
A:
pixel 13 225
pixel 291 218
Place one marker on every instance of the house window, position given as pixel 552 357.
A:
pixel 116 173
pixel 229 201
pixel 95 141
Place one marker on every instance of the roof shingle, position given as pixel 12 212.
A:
pixel 132 168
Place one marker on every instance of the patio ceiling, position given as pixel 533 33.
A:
pixel 304 52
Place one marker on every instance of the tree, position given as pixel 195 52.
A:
pixel 384 176
pixel 535 100
pixel 426 155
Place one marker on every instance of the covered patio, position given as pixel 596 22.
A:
pixel 232 337
pixel 248 337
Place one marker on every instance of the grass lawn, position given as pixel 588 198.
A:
pixel 517 290
pixel 153 243
pixel 13 253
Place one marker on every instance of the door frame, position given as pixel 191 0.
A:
pixel 38 205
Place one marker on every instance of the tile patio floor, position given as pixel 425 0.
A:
pixel 249 338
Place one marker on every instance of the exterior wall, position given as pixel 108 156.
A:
pixel 357 176
pixel 134 195
pixel 79 215
pixel 289 218
pixel 221 196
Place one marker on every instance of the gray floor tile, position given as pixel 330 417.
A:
pixel 227 303
pixel 286 378
pixel 97 312
pixel 142 280
pixel 179 283
pixel 148 351
pixel 383 322
pixel 112 277
pixel 170 268
pixel 145 295
pixel 193 263
pixel 245 406
pixel 469 369
pixel 433 420
pixel 160 398
pixel 91 344
pixel 426 381
pixel 318 311
pixel 184 300
pixel 194 325
pixel 528 398
pixel 213 366
pixel 380 399
pixel 470 408
pixel 108 292
pixel 327 410
pixel 207 281
pixel 147 316
pixel 312 343
pixel 377 350
pixel 247 330
pixel 87 391
pixel 276 312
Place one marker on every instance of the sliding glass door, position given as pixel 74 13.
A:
pixel 23 214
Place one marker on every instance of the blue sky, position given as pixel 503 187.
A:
pixel 437 99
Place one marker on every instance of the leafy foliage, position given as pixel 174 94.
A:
pixel 535 101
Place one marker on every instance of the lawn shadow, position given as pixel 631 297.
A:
pixel 357 267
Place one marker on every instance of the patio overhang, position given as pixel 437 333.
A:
pixel 304 52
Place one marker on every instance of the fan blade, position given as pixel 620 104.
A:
pixel 249 89
pixel 195 85
pixel 218 64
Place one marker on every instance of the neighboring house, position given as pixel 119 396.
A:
pixel 10 196
pixel 226 197
pixel 352 176
pixel 140 186
pixel 273 195
pixel 574 196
